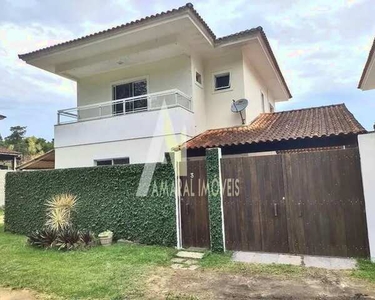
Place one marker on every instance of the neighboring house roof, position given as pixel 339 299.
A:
pixel 5 151
pixel 368 66
pixel 324 121
pixel 45 161
pixel 144 21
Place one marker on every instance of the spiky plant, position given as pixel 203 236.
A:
pixel 59 210
pixel 87 238
pixel 68 239
pixel 44 238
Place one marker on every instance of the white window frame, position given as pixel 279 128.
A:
pixel 128 80
pixel 195 78
pixel 223 72
pixel 111 159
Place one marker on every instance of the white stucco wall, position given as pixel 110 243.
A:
pixel 147 124
pixel 367 154
pixel 79 144
pixel 144 150
pixel 218 103
pixel 167 74
pixel 2 187
pixel 254 87
pixel 199 105
pixel 143 137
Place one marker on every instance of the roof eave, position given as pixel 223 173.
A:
pixel 187 9
pixel 368 67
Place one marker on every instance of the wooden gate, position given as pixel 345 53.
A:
pixel 194 205
pixel 305 203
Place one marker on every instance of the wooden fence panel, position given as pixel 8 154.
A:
pixel 305 203
pixel 194 205
pixel 255 220
pixel 325 203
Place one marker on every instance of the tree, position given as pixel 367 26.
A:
pixel 16 140
pixel 28 146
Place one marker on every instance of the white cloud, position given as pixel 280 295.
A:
pixel 321 46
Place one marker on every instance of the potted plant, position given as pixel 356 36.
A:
pixel 106 238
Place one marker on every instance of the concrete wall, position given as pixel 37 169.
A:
pixel 143 137
pixel 218 103
pixel 147 124
pixel 367 153
pixel 2 187
pixel 79 144
pixel 254 87
pixel 199 105
pixel 144 150
pixel 172 73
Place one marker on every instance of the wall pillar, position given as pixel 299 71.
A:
pixel 215 199
pixel 366 144
pixel 175 159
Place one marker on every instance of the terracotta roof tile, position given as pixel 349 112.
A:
pixel 322 121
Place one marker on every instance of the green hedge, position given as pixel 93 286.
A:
pixel 106 200
pixel 214 199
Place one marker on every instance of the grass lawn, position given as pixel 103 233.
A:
pixel 102 273
pixel 121 271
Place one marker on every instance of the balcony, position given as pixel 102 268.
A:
pixel 121 107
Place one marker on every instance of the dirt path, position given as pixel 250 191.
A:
pixel 8 294
pixel 218 285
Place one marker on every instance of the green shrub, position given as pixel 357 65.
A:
pixel 106 199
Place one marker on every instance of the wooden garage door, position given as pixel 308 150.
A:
pixel 305 203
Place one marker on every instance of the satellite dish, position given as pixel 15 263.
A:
pixel 238 106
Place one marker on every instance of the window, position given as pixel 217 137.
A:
pixel 113 161
pixel 128 90
pixel 263 104
pixel 198 78
pixel 222 81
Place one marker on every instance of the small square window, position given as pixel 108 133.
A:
pixel 198 78
pixel 113 161
pixel 121 161
pixel 107 162
pixel 222 81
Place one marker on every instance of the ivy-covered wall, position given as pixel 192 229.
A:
pixel 107 199
pixel 214 199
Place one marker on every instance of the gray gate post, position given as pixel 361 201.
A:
pixel 215 200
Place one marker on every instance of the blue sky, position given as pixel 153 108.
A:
pixel 321 47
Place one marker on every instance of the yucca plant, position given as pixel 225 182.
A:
pixel 59 211
pixel 44 238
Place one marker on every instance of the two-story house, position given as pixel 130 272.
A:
pixel 149 85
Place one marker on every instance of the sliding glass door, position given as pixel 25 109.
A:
pixel 129 90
